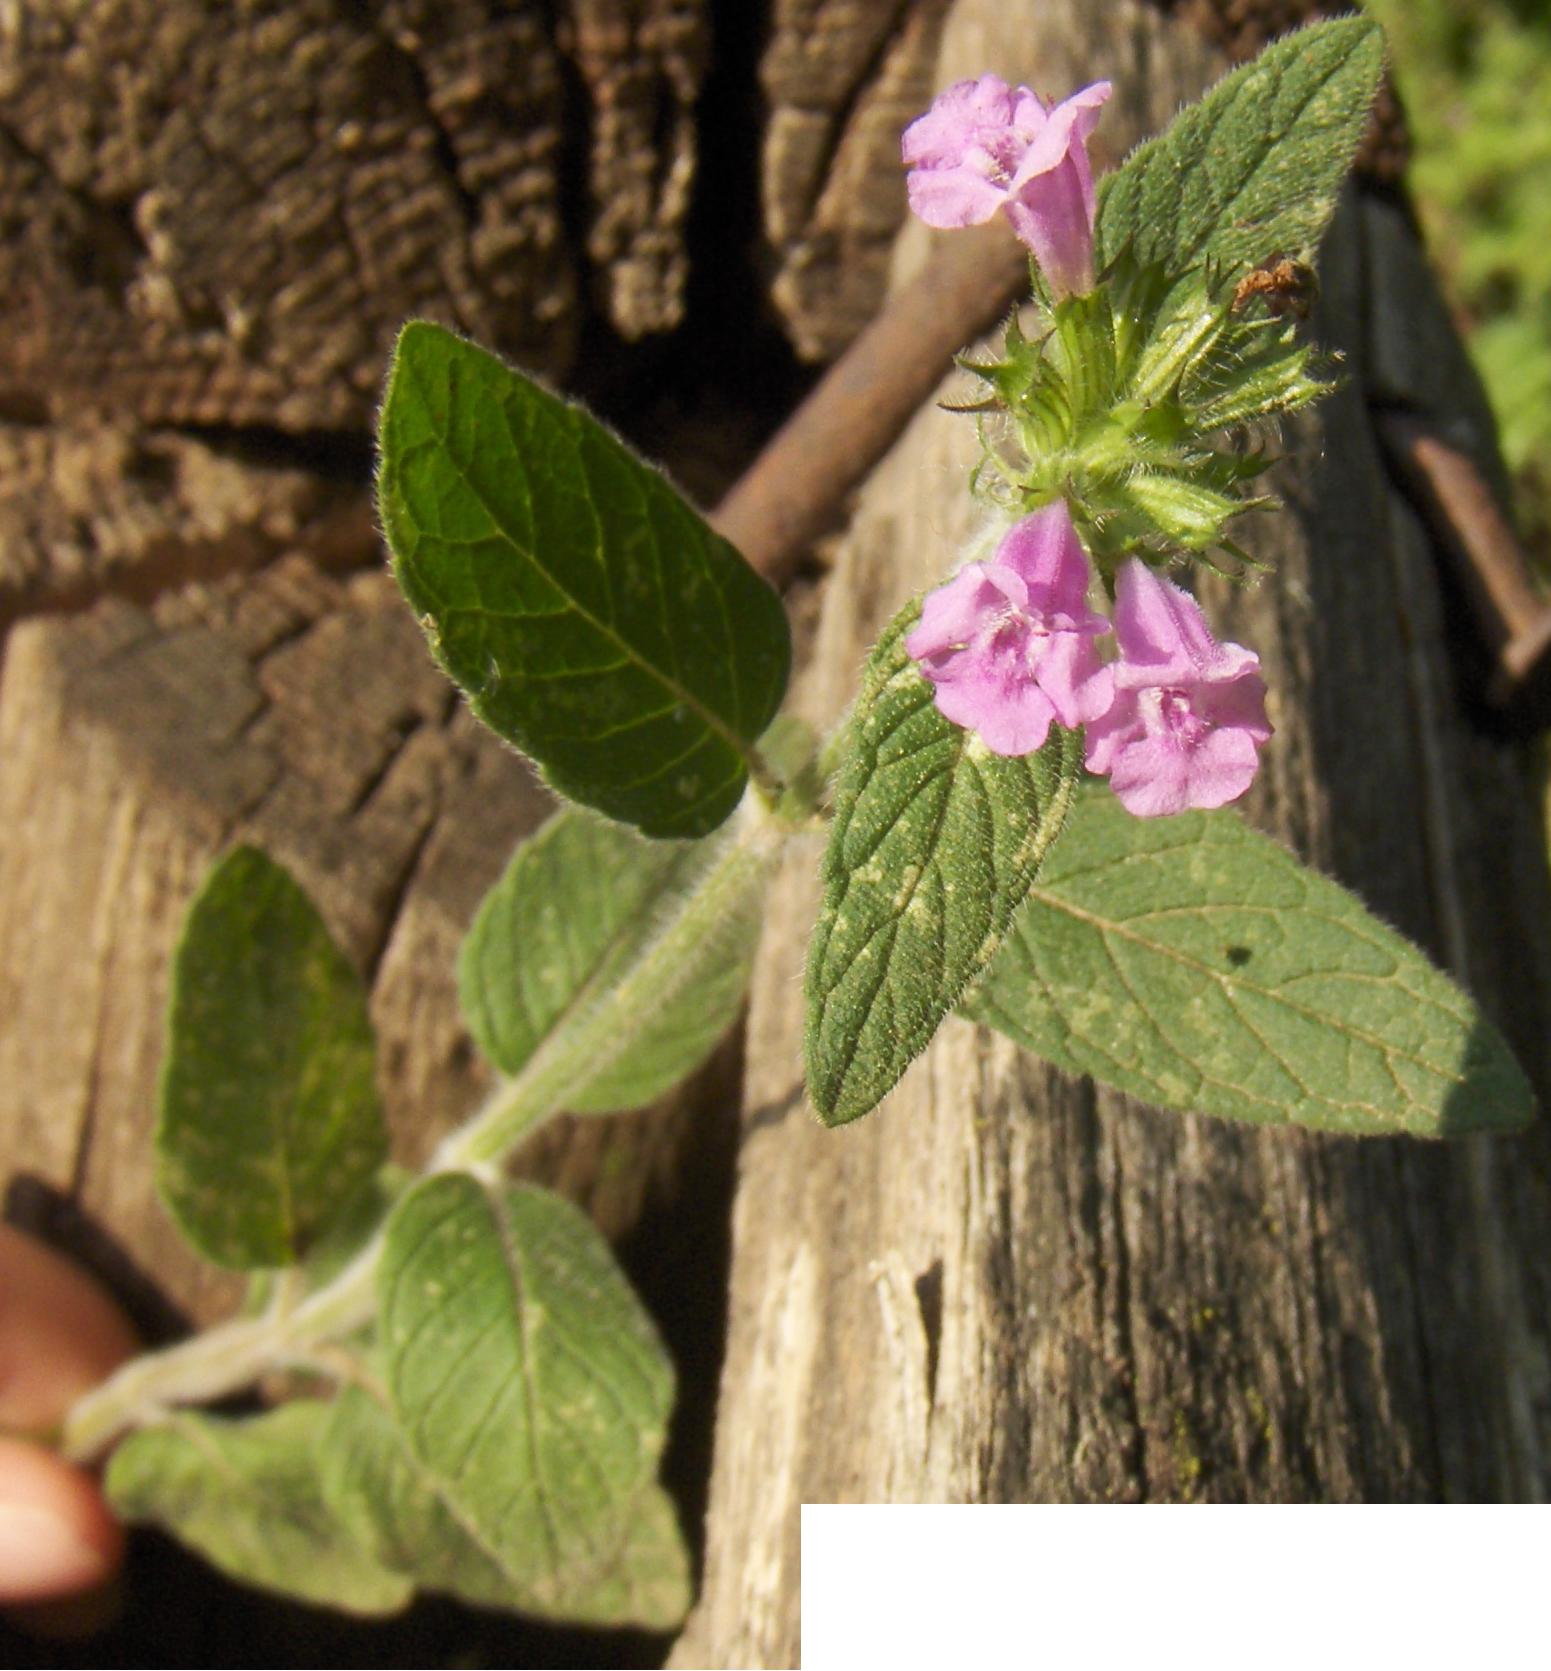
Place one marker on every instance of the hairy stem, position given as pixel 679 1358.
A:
pixel 235 1354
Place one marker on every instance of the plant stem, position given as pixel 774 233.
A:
pixel 575 1055
pixel 220 1360
pixel 235 1354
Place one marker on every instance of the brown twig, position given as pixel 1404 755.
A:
pixel 856 412
pixel 1465 516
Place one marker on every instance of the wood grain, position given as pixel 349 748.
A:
pixel 223 213
pixel 1006 1285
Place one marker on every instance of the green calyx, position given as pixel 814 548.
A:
pixel 1132 402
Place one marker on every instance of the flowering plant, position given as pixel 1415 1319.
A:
pixel 986 147
pixel 1113 407
pixel 500 1396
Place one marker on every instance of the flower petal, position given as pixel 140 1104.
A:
pixel 1065 129
pixel 1009 718
pixel 1221 767
pixel 1044 551
pixel 941 137
pixel 1152 777
pixel 1119 725
pixel 1238 704
pixel 1069 672
pixel 1163 636
pixel 953 614
pixel 948 198
pixel 1053 214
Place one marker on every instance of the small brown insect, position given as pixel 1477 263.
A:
pixel 1285 286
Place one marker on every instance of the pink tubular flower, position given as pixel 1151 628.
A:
pixel 985 146
pixel 1189 714
pixel 1009 644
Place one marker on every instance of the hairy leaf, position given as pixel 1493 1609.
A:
pixel 529 1385
pixel 578 907
pixel 934 845
pixel 397 1511
pixel 245 1494
pixel 591 615
pixel 269 1119
pixel 1254 170
pixel 1196 964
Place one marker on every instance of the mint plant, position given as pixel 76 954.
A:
pixel 1027 817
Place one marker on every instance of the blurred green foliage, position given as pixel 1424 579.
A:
pixel 1476 83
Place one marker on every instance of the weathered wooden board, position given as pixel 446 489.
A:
pixel 222 213
pixel 88 508
pixel 1009 1285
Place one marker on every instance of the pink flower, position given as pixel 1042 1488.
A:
pixel 1189 714
pixel 1009 644
pixel 985 146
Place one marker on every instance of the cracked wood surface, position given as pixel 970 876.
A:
pixel 89 507
pixel 222 213
pixel 1010 1285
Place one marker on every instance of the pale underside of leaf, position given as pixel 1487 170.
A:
pixel 399 1512
pixel 245 1495
pixel 529 1386
pixel 1198 965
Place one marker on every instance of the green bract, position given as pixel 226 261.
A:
pixel 1120 409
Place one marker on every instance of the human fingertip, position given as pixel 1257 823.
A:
pixel 57 1537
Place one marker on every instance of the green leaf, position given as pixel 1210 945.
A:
pixel 1198 965
pixel 245 1494
pixel 337 1245
pixel 591 615
pixel 934 845
pixel 269 1116
pixel 1254 170
pixel 579 906
pixel 529 1384
pixel 395 1509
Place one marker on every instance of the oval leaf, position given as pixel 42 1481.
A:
pixel 245 1494
pixel 934 845
pixel 530 1386
pixel 1254 170
pixel 1198 965
pixel 269 1116
pixel 580 904
pixel 590 614
pixel 396 1511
